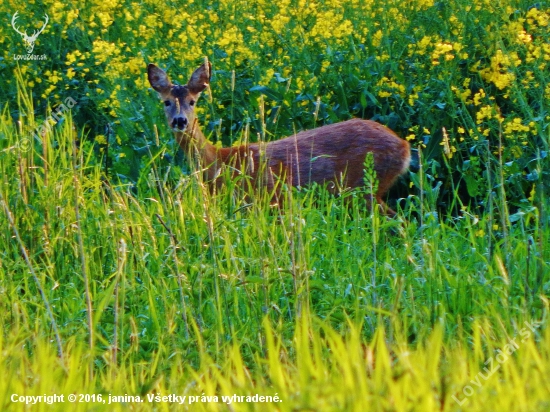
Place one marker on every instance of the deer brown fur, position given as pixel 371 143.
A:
pixel 331 155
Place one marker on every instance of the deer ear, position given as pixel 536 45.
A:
pixel 158 79
pixel 200 79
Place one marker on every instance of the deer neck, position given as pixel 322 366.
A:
pixel 197 147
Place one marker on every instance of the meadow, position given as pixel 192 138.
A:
pixel 123 280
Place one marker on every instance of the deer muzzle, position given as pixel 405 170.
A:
pixel 179 123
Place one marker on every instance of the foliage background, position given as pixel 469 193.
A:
pixel 477 69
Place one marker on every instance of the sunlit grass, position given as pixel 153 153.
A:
pixel 197 294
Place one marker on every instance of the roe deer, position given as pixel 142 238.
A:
pixel 332 154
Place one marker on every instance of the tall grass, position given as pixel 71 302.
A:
pixel 165 288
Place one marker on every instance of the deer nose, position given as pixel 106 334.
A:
pixel 179 123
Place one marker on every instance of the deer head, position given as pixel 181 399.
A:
pixel 179 101
pixel 29 40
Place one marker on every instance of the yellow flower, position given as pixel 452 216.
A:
pixel 515 126
pixel 101 139
pixel 103 50
pixel 478 96
pixel 377 38
pixel 440 50
pixel 498 73
pixel 524 37
pixel 485 112
pixel 540 18
pixel 390 87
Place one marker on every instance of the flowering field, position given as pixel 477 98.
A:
pixel 121 276
pixel 478 70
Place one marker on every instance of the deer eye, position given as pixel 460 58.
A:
pixel 191 102
pixel 167 102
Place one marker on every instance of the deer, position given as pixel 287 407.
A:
pixel 332 155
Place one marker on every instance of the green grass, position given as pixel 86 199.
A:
pixel 172 290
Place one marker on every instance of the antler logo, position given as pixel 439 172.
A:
pixel 29 40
